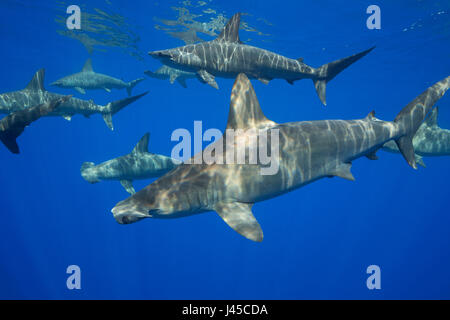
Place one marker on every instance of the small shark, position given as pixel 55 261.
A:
pixel 87 79
pixel 35 94
pixel 13 125
pixel 307 151
pixel 227 56
pixel 138 165
pixel 429 141
pixel 172 74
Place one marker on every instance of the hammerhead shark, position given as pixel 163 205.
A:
pixel 35 94
pixel 226 56
pixel 87 79
pixel 307 151
pixel 137 165
pixel 172 74
pixel 429 141
pixel 13 125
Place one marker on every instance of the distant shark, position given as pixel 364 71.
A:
pixel 172 74
pixel 429 141
pixel 13 125
pixel 35 94
pixel 87 79
pixel 138 165
pixel 308 151
pixel 227 56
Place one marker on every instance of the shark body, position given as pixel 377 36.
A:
pixel 87 79
pixel 172 74
pixel 429 141
pixel 308 151
pixel 13 125
pixel 36 94
pixel 227 56
pixel 138 165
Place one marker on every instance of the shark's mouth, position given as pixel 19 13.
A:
pixel 159 54
pixel 127 212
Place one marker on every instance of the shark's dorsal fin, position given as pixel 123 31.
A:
pixel 88 66
pixel 432 117
pixel 230 32
pixel 37 83
pixel 142 146
pixel 370 116
pixel 245 112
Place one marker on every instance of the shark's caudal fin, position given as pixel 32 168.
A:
pixel 412 116
pixel 37 83
pixel 330 70
pixel 132 84
pixel 113 107
pixel 9 140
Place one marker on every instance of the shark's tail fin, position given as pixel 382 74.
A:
pixel 113 107
pixel 9 140
pixel 328 71
pixel 412 116
pixel 132 84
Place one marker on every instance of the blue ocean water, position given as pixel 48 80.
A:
pixel 319 240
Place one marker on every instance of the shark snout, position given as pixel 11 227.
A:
pixel 56 83
pixel 127 211
pixel 161 55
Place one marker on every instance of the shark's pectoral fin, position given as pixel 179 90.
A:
pixel 239 216
pixel 419 161
pixel 344 172
pixel 264 80
pixel 173 77
pixel 107 117
pixel 107 89
pixel 128 185
pixel 80 90
pixel 206 77
pixel 432 119
pixel 321 88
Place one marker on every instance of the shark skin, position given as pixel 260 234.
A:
pixel 13 125
pixel 429 141
pixel 35 94
pixel 172 74
pixel 87 79
pixel 227 56
pixel 137 165
pixel 308 151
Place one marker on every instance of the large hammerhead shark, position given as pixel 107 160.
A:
pixel 307 151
